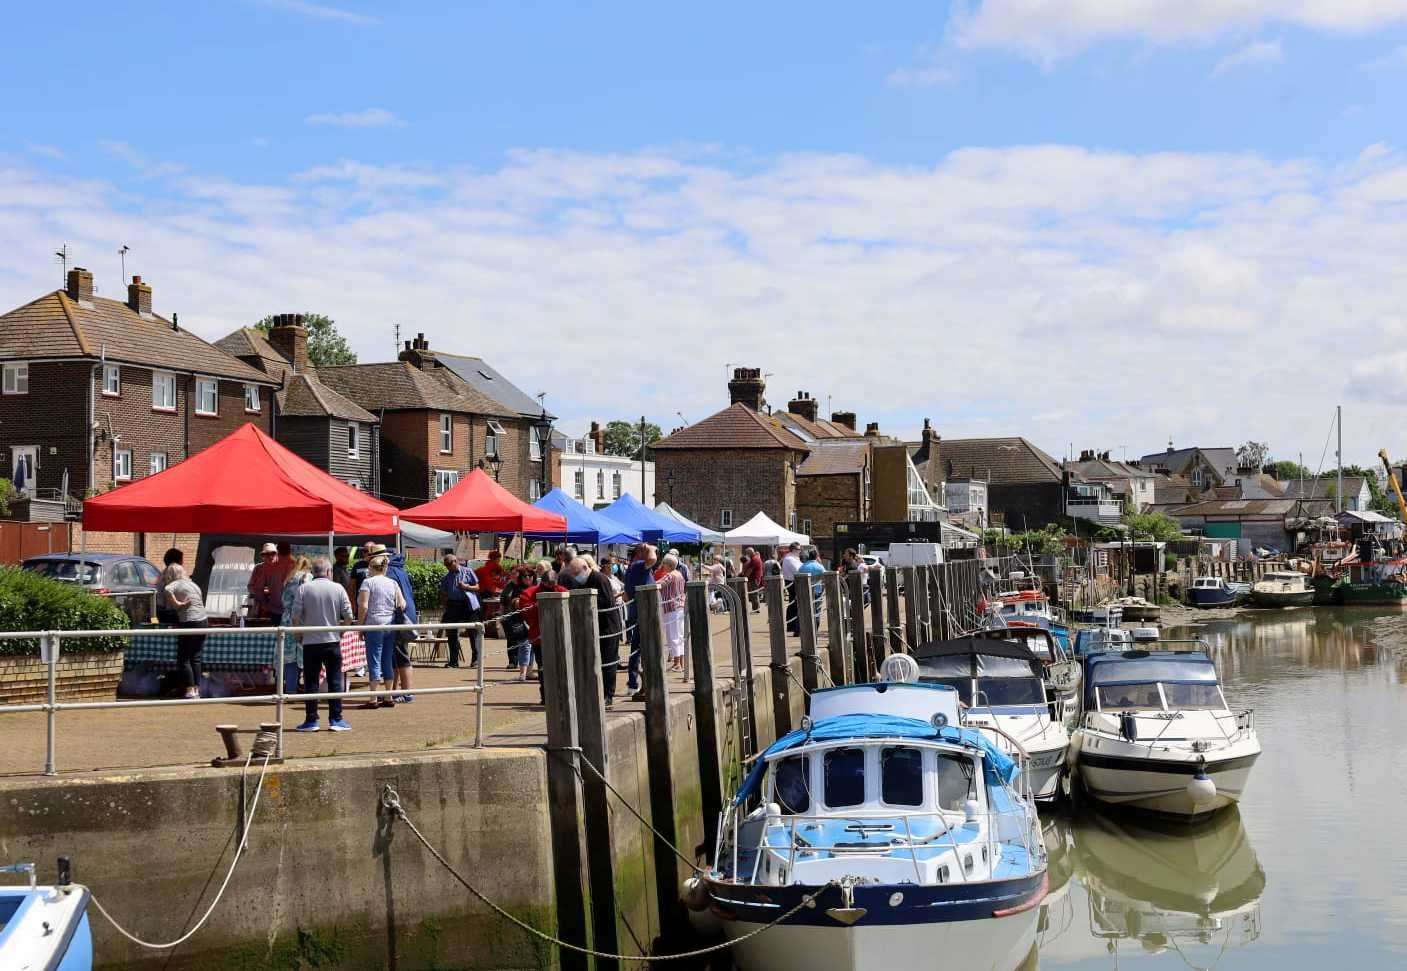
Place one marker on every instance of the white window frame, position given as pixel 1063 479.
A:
pixel 112 381
pixel 600 483
pixel 493 430
pixel 353 440
pixel 579 485
pixel 201 386
pixel 534 444
pixel 806 526
pixel 446 433
pixel 534 490
pixel 158 459
pixel 445 480
pixel 122 465
pixel 725 518
pixel 16 377
pixel 616 485
pixel 163 379
pixel 252 391
pixel 589 445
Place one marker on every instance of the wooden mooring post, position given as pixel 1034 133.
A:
pixel 861 669
pixel 657 758
pixel 909 576
pixel 705 714
pixel 835 629
pixel 891 598
pixel 747 676
pixel 879 633
pixel 564 772
pixel 806 619
pixel 775 589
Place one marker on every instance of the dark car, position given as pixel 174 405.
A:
pixel 98 572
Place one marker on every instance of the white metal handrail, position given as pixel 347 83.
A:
pixel 51 648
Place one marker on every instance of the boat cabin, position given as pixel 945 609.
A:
pixel 985 673
pixel 1166 681
pixel 1100 640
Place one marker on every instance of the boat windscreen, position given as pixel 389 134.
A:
pixel 1010 691
pixel 947 666
pixel 962 685
pixel 1152 669
pixel 989 666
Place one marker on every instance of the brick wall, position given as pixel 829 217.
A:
pixel 410 444
pixel 827 500
pixel 700 483
pixel 52 416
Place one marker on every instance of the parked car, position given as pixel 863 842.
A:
pixel 98 572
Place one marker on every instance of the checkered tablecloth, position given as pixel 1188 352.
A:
pixel 248 650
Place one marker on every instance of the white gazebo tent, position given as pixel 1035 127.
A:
pixel 706 535
pixel 760 530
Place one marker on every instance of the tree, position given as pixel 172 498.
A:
pixel 1156 526
pixel 1253 454
pixel 326 347
pixel 623 438
pixel 1287 471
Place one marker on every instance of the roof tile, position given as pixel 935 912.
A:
pixel 736 426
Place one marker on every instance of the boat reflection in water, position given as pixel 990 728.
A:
pixel 1165 887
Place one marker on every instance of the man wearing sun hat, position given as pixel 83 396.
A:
pixel 266 583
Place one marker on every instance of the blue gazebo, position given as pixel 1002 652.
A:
pixel 583 524
pixel 653 527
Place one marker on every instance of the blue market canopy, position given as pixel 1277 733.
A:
pixel 583 525
pixel 652 526
pixel 707 535
pixel 997 767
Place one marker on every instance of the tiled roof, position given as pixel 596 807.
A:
pixel 736 426
pixel 997 460
pixel 482 377
pixel 1109 469
pixel 1246 507
pixel 398 386
pixel 55 326
pixel 306 397
pixel 819 430
pixel 836 458
pixel 248 342
pixel 1176 461
pixel 1324 488
pixel 1171 489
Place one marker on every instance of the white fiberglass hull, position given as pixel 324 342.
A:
pixel 1045 781
pixel 994 944
pixel 1152 779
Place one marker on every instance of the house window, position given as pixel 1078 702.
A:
pixel 491 440
pixel 446 434
pixel 17 378
pixel 445 480
pixel 600 483
pixel 163 391
pixel 207 396
pixel 615 485
pixel 251 398
pixel 353 440
pixel 725 516
pixel 112 380
pixel 534 444
pixel 791 520
pixel 571 444
pixel 806 526
pixel 122 464
pixel 579 487
pixel 158 462
pixel 534 490
pixel 589 446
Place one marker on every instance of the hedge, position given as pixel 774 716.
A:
pixel 425 577
pixel 29 601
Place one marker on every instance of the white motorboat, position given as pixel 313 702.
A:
pixel 44 928
pixel 1155 733
pixel 1000 684
pixel 887 837
pixel 1283 588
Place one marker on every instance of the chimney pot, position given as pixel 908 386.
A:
pixel 872 430
pixel 846 419
pixel 804 405
pixel 80 284
pixel 139 296
pixel 290 338
pixel 747 388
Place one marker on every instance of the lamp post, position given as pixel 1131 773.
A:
pixel 543 426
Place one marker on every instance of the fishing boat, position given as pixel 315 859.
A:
pixel 1155 733
pixel 1103 615
pixel 1380 583
pixel 1062 672
pixel 1283 588
pixel 44 928
pixel 878 836
pixel 1001 684
pixel 1027 608
pixel 1217 592
pixel 1137 609
pixel 1102 640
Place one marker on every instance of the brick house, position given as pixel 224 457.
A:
pixel 833 485
pixel 722 470
pixel 314 421
pixel 98 392
pixel 1026 488
pixel 435 427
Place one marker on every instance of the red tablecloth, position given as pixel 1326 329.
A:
pixel 353 651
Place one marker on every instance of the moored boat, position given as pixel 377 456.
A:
pixel 44 928
pixel 1217 592
pixel 1138 610
pixel 1283 588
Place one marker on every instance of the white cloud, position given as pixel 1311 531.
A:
pixel 929 71
pixel 321 11
pixel 370 118
pixel 1048 30
pixel 46 151
pixel 150 168
pixel 1256 52
pixel 843 276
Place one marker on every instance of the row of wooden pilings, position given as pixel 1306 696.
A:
pixel 935 602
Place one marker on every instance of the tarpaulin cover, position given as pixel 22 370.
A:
pixel 998 767
pixel 246 483
pixel 706 535
pixel 652 526
pixel 478 504
pixel 583 525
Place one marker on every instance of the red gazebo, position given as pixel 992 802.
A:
pixel 478 504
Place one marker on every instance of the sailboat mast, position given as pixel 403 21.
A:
pixel 1338 492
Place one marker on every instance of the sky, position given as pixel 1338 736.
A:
pixel 1102 224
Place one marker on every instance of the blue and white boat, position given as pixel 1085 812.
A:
pixel 1217 592
pixel 44 928
pixel 916 840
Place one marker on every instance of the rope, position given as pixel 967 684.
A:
pixel 391 801
pixel 268 747
pixel 645 822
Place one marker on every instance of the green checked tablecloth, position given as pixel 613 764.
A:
pixel 245 651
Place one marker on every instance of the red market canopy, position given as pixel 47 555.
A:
pixel 477 504
pixel 245 483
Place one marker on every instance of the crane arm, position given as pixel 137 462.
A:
pixel 1392 481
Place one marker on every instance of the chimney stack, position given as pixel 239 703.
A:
pixel 290 338
pixel 598 435
pixel 418 353
pixel 846 419
pixel 139 296
pixel 747 387
pixel 872 430
pixel 804 405
pixel 80 285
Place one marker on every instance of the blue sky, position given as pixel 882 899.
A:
pixel 1026 187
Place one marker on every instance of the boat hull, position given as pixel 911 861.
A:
pixel 46 928
pixel 1298 598
pixel 1143 614
pixel 1207 599
pixel 1126 775
pixel 955 921
pixel 1371 594
pixel 1326 591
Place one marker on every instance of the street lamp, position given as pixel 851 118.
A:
pixel 543 426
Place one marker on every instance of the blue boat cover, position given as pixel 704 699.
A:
pixel 583 525
pixel 652 526
pixel 998 768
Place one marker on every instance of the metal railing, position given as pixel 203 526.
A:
pixel 51 645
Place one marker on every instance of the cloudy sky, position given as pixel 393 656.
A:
pixel 1096 223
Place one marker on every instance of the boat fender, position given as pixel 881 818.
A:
pixel 1200 788
pixel 694 894
pixel 971 810
pixel 1128 727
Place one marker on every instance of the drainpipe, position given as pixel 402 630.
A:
pixel 186 417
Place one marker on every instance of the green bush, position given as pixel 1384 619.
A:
pixel 425 577
pixel 29 601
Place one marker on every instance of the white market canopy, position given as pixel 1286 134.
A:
pixel 706 535
pixel 760 530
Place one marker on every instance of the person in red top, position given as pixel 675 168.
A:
pixel 527 603
pixel 752 570
pixel 492 576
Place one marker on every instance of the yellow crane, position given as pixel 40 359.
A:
pixel 1392 481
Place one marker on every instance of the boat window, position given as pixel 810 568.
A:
pixel 1181 695
pixel 1115 697
pixel 901 776
pixel 792 785
pixel 954 781
pixel 963 686
pixel 1152 669
pixel 990 666
pixel 1010 691
pixel 845 777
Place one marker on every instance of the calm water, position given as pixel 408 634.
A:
pixel 1312 870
